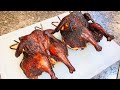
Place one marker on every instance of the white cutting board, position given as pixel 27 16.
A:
pixel 87 62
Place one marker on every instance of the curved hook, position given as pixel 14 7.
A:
pixel 59 18
pixel 36 27
pixel 41 26
pixel 56 22
pixel 16 41
pixel 14 45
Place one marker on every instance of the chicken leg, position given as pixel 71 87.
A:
pixel 59 52
pixel 88 36
pixel 98 27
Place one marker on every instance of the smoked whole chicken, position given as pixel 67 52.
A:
pixel 77 29
pixel 40 49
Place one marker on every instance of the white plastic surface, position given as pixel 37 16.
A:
pixel 87 62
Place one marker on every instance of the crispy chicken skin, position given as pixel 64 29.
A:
pixel 41 50
pixel 38 48
pixel 59 52
pixel 36 59
pixel 76 31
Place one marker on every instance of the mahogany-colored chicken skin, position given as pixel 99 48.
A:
pixel 76 31
pixel 36 59
pixel 34 66
pixel 39 47
pixel 97 30
pixel 59 52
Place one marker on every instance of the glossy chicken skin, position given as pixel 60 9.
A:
pixel 97 30
pixel 35 48
pixel 59 52
pixel 36 59
pixel 76 31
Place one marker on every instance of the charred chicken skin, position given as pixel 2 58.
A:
pixel 38 48
pixel 76 31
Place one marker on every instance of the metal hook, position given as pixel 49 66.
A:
pixel 59 18
pixel 36 27
pixel 54 24
pixel 41 26
pixel 14 45
pixel 16 41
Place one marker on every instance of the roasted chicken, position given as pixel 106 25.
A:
pixel 39 49
pixel 76 31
